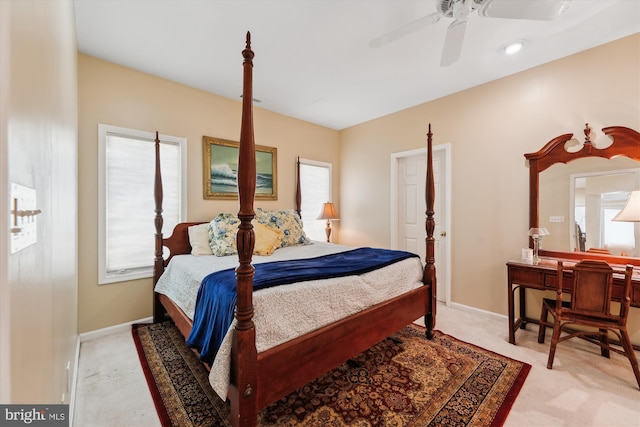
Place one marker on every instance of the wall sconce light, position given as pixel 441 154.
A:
pixel 328 213
pixel 24 212
pixel 25 215
pixel 537 234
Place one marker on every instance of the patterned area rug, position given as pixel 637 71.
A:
pixel 405 380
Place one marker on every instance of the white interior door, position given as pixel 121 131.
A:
pixel 411 204
pixel 409 210
pixel 440 233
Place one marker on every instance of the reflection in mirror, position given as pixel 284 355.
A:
pixel 597 198
pixel 578 199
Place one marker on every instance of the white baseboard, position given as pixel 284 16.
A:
pixel 91 335
pixel 478 311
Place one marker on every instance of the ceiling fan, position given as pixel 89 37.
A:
pixel 460 10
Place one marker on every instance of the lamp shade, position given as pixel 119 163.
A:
pixel 631 211
pixel 536 232
pixel 328 211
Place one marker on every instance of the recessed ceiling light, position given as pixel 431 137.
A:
pixel 513 48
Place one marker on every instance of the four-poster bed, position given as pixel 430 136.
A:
pixel 259 378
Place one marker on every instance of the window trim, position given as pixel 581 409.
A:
pixel 103 130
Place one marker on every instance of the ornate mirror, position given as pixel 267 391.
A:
pixel 576 187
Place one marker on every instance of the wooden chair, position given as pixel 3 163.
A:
pixel 589 306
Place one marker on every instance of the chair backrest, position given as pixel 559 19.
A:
pixel 592 287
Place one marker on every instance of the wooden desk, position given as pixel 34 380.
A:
pixel 523 274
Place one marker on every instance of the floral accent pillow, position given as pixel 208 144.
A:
pixel 222 234
pixel 288 222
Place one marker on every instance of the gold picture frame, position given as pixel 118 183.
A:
pixel 220 163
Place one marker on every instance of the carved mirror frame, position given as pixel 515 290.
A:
pixel 625 142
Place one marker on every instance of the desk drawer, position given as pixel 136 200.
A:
pixel 527 277
pixel 618 287
pixel 551 282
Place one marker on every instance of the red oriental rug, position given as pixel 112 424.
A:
pixel 405 380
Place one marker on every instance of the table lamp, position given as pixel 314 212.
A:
pixel 537 233
pixel 328 213
pixel 631 211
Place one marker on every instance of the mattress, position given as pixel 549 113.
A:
pixel 285 312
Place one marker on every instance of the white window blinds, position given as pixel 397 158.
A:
pixel 127 207
pixel 315 184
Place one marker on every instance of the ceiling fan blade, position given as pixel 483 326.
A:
pixel 541 10
pixel 453 42
pixel 407 29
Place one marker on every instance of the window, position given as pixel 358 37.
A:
pixel 126 205
pixel 315 184
pixel 617 234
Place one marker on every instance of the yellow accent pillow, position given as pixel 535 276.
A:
pixel 267 239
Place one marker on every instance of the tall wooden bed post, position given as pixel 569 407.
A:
pixel 429 274
pixel 244 410
pixel 158 261
pixel 298 189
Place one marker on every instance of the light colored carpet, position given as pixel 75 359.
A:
pixel 583 389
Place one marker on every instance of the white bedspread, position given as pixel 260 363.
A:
pixel 285 312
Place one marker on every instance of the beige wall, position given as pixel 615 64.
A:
pixel 39 124
pixel 119 96
pixel 489 128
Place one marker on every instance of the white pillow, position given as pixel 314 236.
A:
pixel 199 239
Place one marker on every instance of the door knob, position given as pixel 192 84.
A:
pixel 443 234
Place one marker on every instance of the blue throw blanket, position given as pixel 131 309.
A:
pixel 216 300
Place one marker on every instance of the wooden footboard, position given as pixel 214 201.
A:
pixel 291 365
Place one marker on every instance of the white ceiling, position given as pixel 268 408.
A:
pixel 313 59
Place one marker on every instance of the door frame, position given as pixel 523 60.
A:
pixel 395 160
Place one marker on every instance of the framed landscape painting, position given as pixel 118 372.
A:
pixel 220 166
